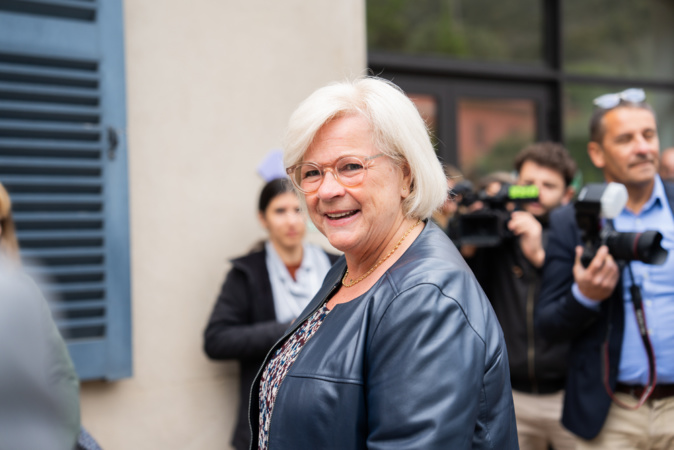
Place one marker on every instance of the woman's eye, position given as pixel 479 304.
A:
pixel 311 173
pixel 351 167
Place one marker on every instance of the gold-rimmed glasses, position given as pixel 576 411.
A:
pixel 349 171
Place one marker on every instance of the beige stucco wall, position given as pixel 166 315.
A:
pixel 210 86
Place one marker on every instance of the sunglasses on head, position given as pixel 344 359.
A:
pixel 631 95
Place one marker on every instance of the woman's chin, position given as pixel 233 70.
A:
pixel 341 241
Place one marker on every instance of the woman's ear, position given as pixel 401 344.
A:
pixel 407 180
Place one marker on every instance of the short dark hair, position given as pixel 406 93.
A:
pixel 597 130
pixel 270 190
pixel 550 155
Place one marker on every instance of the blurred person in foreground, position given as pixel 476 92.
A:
pixel 608 370
pixel 400 347
pixel 667 164
pixel 9 245
pixel 39 390
pixel 510 275
pixel 264 292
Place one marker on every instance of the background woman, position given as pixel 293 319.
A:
pixel 264 292
pixel 400 347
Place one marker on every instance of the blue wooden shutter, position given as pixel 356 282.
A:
pixel 63 160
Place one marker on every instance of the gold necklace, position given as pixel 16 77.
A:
pixel 378 263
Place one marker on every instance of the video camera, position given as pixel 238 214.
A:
pixel 487 227
pixel 599 201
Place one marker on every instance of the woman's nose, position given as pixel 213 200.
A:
pixel 329 187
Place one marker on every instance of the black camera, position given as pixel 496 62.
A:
pixel 487 227
pixel 598 202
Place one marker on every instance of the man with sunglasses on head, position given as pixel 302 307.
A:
pixel 612 399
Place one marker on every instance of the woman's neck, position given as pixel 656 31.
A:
pixel 291 256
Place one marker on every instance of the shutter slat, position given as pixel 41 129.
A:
pixel 63 253
pixel 56 216
pixel 50 148
pixel 79 322
pixel 41 93
pixel 49 111
pixel 48 75
pixel 57 257
pixel 6 163
pixel 50 130
pixel 59 235
pixel 61 61
pixel 71 9
pixel 42 271
pixel 22 198
pixel 78 288
pixel 60 307
pixel 55 184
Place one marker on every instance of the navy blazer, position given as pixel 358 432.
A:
pixel 417 362
pixel 560 316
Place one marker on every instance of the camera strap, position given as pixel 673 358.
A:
pixel 637 302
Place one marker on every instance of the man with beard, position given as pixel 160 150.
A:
pixel 510 276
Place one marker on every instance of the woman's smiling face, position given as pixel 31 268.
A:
pixel 360 219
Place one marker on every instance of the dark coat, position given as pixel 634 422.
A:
pixel 418 361
pixel 243 326
pixel 512 285
pixel 560 316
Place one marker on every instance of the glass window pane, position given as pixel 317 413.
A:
pixel 427 105
pixel 619 37
pixel 508 31
pixel 491 132
pixel 578 109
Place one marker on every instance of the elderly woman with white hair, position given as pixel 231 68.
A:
pixel 400 347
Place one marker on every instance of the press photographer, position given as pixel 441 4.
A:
pixel 619 315
pixel 507 252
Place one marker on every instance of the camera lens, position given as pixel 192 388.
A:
pixel 643 247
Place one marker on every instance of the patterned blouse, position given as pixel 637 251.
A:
pixel 278 367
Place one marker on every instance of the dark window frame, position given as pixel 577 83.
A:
pixel 551 76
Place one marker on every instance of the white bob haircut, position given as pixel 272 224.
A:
pixel 397 130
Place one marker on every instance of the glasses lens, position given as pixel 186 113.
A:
pixel 308 177
pixel 633 95
pixel 607 101
pixel 350 170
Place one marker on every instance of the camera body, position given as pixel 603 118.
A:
pixel 598 203
pixel 487 227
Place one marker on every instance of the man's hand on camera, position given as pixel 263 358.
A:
pixel 599 279
pixel 529 230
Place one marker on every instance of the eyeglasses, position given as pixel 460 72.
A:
pixel 349 171
pixel 609 101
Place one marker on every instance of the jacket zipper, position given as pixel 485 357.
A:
pixel 531 349
pixel 298 323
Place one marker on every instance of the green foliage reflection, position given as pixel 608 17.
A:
pixel 467 29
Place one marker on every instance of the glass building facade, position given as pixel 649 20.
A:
pixel 491 77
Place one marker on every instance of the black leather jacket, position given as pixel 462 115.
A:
pixel 418 362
